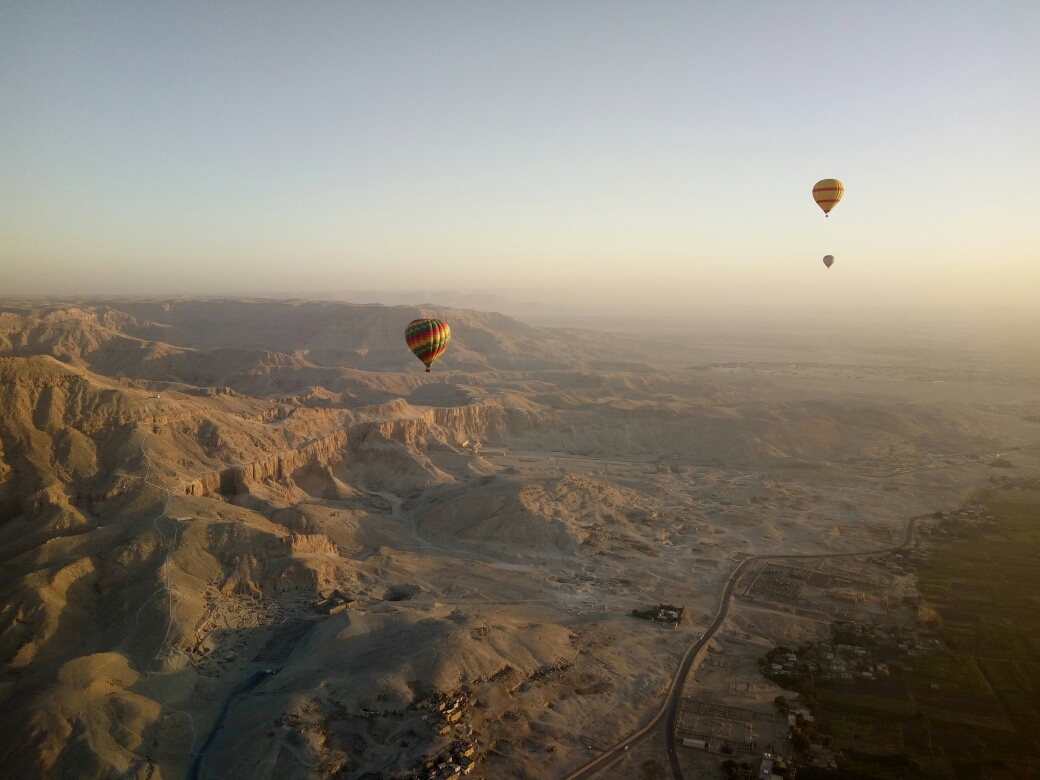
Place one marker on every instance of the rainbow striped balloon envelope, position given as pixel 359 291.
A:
pixel 427 339
pixel 827 193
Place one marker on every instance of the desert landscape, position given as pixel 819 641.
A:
pixel 253 539
pixel 519 391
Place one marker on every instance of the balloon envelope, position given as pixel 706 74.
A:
pixel 427 339
pixel 827 193
pixel 828 260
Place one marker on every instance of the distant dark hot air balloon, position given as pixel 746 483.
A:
pixel 828 260
pixel 827 193
pixel 427 339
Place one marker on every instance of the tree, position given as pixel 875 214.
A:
pixel 782 704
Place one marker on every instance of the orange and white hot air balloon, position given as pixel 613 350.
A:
pixel 827 193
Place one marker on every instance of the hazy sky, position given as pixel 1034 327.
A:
pixel 651 154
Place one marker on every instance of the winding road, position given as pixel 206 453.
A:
pixel 669 711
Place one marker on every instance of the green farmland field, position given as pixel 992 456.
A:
pixel 971 710
pixel 986 587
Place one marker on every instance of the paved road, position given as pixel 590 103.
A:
pixel 670 708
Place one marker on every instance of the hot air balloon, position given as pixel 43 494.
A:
pixel 427 339
pixel 828 260
pixel 827 193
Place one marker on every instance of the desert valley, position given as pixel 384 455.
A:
pixel 252 539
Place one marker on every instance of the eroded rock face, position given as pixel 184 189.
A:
pixel 153 504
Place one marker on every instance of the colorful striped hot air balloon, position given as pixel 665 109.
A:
pixel 427 339
pixel 827 193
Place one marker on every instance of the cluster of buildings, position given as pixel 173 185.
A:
pixel 446 710
pixel 663 613
pixel 460 757
pixel 452 763
pixel 863 650
pixel 846 661
pixel 972 512
pixel 335 602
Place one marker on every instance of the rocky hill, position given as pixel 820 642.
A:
pixel 236 342
pixel 186 486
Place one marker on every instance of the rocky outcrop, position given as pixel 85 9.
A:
pixel 207 484
pixel 255 562
pixel 326 449
pixel 451 426
pixel 393 422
